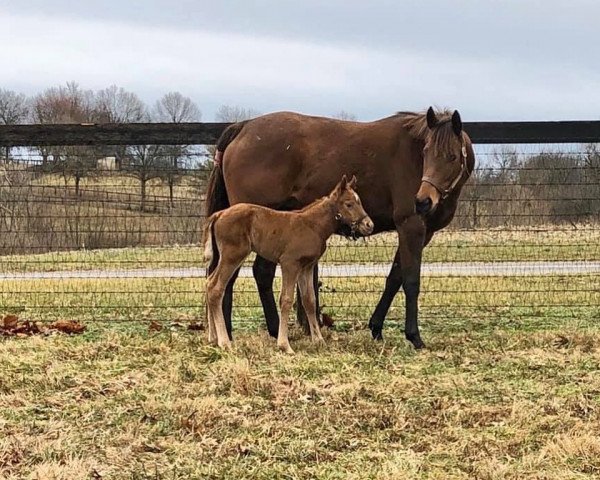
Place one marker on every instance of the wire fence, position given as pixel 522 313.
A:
pixel 113 233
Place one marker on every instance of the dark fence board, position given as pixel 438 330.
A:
pixel 208 133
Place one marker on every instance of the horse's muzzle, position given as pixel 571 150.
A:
pixel 423 207
pixel 366 226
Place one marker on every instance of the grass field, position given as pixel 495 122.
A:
pixel 349 300
pixel 486 400
pixel 487 246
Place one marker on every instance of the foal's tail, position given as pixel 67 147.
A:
pixel 211 251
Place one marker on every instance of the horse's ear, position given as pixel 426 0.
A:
pixel 456 123
pixel 432 120
pixel 341 186
pixel 352 182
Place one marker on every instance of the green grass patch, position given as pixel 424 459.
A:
pixel 576 245
pixel 481 402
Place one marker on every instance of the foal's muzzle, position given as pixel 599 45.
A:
pixel 365 226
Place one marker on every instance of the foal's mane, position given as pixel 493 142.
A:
pixel 416 125
pixel 313 204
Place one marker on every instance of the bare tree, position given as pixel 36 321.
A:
pixel 228 113
pixel 116 105
pixel 13 109
pixel 66 104
pixel 344 115
pixel 145 162
pixel 175 108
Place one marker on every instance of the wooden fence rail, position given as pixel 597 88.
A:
pixel 208 133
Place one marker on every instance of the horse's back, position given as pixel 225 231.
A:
pixel 288 157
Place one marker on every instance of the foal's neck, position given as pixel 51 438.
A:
pixel 322 215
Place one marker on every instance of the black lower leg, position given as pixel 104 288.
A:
pixel 392 285
pixel 228 304
pixel 264 273
pixel 411 329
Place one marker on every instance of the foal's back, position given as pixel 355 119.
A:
pixel 274 235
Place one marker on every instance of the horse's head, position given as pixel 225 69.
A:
pixel 448 160
pixel 349 209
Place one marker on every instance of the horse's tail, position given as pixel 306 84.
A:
pixel 216 194
pixel 211 251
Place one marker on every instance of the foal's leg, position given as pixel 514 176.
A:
pixel 216 286
pixel 307 295
pixel 301 310
pixel 212 333
pixel 289 274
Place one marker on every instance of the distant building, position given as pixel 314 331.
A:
pixel 107 163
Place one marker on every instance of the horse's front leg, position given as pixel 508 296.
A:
pixel 406 272
pixel 412 235
pixel 393 283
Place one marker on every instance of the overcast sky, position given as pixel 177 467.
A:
pixel 493 60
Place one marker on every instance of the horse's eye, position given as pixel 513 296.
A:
pixel 349 204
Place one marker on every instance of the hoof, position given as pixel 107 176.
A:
pixel 286 349
pixel 416 341
pixel 377 334
pixel 225 345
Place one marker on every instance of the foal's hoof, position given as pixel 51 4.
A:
pixel 286 349
pixel 225 345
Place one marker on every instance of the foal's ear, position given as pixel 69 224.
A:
pixel 352 182
pixel 456 123
pixel 340 187
pixel 432 120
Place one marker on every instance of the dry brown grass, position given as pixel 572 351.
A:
pixel 121 402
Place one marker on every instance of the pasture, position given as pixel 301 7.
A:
pixel 491 398
pixel 507 388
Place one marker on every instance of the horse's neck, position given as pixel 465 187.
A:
pixel 322 215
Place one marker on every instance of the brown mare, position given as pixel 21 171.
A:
pixel 296 240
pixel 412 167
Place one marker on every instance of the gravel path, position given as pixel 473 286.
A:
pixel 488 269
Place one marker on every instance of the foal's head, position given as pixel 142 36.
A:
pixel 349 209
pixel 448 160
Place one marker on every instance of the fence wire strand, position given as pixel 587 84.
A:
pixel 99 234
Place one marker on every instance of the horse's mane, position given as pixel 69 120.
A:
pixel 416 124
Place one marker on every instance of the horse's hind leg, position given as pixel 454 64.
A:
pixel 307 295
pixel 212 334
pixel 216 286
pixel 301 311
pixel 289 278
pixel 264 273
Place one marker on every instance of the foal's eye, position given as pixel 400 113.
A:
pixel 349 204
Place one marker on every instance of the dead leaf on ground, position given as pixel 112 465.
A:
pixel 195 326
pixel 67 326
pixel 155 326
pixel 9 322
pixel 10 327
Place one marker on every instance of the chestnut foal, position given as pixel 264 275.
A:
pixel 296 240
